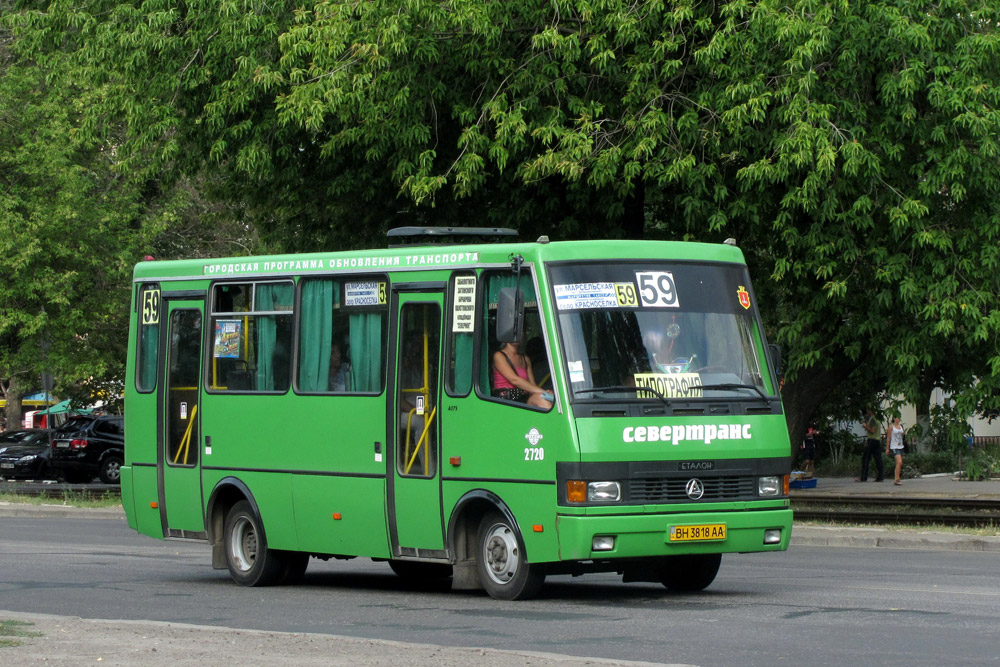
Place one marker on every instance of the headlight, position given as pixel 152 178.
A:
pixel 604 492
pixel 26 459
pixel 769 486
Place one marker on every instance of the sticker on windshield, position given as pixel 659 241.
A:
pixel 579 296
pixel 576 371
pixel 657 289
pixel 364 294
pixel 744 296
pixel 669 385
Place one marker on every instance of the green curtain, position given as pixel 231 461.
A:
pixel 316 334
pixel 462 380
pixel 366 352
pixel 270 297
pixel 149 340
pixel 498 281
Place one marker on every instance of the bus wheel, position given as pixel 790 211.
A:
pixel 249 560
pixel 689 573
pixel 416 571
pixel 503 569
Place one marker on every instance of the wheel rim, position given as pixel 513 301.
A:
pixel 243 545
pixel 113 471
pixel 501 553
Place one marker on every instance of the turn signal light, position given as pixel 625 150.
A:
pixel 785 484
pixel 576 491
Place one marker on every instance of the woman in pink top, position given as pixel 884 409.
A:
pixel 513 379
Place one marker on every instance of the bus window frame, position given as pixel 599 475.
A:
pixel 141 288
pixel 340 278
pixel 211 314
pixel 451 334
pixel 487 333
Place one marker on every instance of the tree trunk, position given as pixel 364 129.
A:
pixel 803 395
pixel 13 395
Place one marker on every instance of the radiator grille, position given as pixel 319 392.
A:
pixel 672 489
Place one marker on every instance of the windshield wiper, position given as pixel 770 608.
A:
pixel 734 385
pixel 621 387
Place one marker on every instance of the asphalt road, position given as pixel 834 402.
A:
pixel 810 605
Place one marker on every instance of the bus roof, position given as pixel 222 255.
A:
pixel 424 257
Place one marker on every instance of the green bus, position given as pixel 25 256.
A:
pixel 346 404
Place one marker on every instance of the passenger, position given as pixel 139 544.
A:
pixel 894 447
pixel 514 380
pixel 339 369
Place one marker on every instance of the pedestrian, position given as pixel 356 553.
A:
pixel 809 451
pixel 894 446
pixel 873 447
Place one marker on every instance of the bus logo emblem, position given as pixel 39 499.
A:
pixel 533 436
pixel 695 489
pixel 744 297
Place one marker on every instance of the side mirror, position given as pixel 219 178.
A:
pixel 774 352
pixel 510 315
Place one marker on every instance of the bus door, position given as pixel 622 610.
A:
pixel 415 520
pixel 179 444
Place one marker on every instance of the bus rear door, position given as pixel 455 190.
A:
pixel 179 442
pixel 415 522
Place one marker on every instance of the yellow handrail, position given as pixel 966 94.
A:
pixel 422 442
pixel 185 445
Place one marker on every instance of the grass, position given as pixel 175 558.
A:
pixel 71 498
pixel 14 629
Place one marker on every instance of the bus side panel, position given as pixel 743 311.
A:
pixel 532 505
pixel 272 493
pixel 495 444
pixel 341 515
pixel 128 497
pixel 144 499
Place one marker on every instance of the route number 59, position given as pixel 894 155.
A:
pixel 656 289
pixel 151 306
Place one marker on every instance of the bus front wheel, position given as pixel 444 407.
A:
pixel 500 557
pixel 249 560
pixel 690 572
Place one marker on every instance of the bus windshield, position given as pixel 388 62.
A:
pixel 660 331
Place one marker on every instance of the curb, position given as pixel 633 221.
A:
pixel 60 511
pixel 823 536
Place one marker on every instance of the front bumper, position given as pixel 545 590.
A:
pixel 647 535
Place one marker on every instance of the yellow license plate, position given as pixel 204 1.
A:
pixel 705 531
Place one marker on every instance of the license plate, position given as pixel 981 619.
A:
pixel 704 531
pixel 62 444
pixel 7 465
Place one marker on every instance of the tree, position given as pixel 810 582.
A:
pixel 850 147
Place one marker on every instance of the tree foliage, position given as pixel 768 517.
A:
pixel 850 147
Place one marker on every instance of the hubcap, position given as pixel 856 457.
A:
pixel 501 553
pixel 114 470
pixel 243 545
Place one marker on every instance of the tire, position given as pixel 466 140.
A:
pixel 111 470
pixel 293 566
pixel 501 561
pixel 421 572
pixel 689 573
pixel 249 560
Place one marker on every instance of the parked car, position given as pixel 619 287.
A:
pixel 86 446
pixel 25 454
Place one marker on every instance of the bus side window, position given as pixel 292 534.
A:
pixel 251 336
pixel 343 334
pixel 531 335
pixel 461 329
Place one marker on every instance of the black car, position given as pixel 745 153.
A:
pixel 86 446
pixel 25 454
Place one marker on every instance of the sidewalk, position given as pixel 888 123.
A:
pixel 933 486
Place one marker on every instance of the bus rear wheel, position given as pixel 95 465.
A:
pixel 689 573
pixel 504 571
pixel 249 560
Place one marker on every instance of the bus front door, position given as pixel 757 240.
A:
pixel 179 445
pixel 415 521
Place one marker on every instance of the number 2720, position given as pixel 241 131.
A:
pixel 534 453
